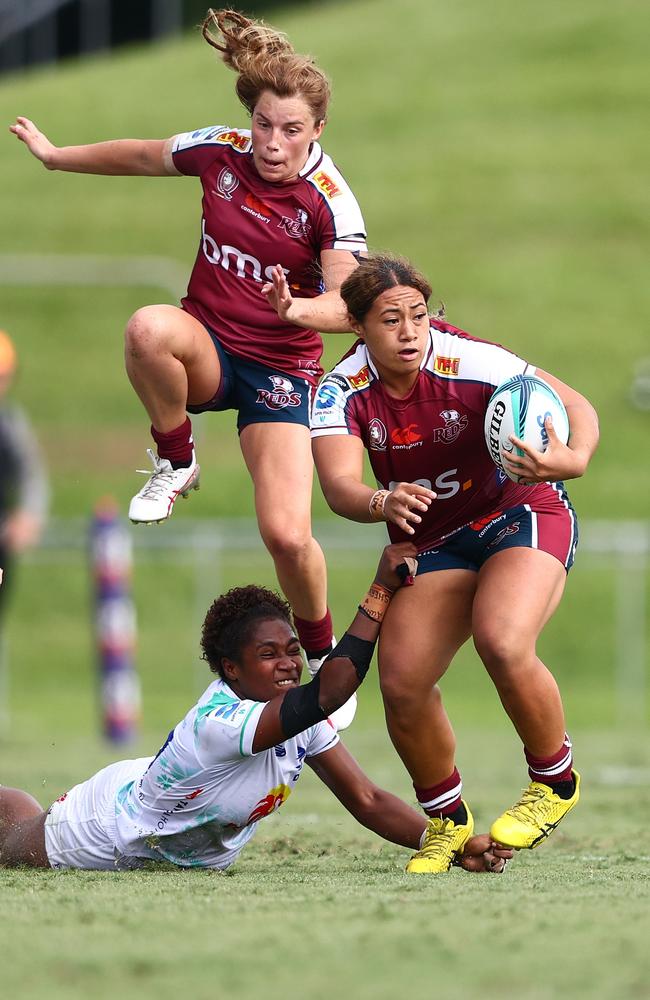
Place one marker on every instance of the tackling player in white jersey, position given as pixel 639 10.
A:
pixel 234 758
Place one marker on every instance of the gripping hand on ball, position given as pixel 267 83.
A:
pixel 556 463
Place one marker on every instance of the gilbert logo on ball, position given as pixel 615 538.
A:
pixel 520 406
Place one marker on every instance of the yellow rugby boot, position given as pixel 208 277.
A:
pixel 443 840
pixel 534 817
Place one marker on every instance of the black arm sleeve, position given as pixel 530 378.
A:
pixel 300 708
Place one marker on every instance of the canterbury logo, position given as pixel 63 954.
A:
pixel 256 205
pixel 405 435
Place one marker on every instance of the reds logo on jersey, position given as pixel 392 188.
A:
pixel 454 424
pixel 283 394
pixel 295 228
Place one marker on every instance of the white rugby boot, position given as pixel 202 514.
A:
pixel 343 716
pixel 155 501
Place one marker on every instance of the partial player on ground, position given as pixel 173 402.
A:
pixel 235 757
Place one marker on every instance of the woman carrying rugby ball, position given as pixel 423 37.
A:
pixel 413 393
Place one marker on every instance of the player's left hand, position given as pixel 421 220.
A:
pixel 278 294
pixel 482 854
pixel 558 462
pixel 397 566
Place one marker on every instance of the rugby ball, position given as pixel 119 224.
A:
pixel 520 406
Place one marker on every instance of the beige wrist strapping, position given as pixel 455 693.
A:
pixel 377 503
pixel 375 603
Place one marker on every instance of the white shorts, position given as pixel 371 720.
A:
pixel 80 826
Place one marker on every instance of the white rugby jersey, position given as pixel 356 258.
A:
pixel 434 435
pixel 202 796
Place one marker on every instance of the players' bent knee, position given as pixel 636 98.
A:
pixel 403 699
pixel 504 653
pixel 289 545
pixel 146 330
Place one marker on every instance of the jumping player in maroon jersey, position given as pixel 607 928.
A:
pixel 271 197
pixel 492 554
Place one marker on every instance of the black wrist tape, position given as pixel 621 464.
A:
pixel 359 651
pixel 300 708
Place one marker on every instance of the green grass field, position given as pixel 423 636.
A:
pixel 504 148
pixel 319 905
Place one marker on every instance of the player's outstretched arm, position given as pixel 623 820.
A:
pixel 389 817
pixel 346 666
pixel 327 312
pixel 117 157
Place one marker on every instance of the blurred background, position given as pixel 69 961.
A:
pixel 501 147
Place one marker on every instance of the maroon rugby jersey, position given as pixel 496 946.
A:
pixel 434 435
pixel 249 225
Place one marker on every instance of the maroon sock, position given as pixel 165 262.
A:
pixel 554 769
pixel 443 799
pixel 176 445
pixel 315 637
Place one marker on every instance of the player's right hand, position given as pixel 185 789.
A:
pixel 278 294
pixel 38 144
pixel 405 504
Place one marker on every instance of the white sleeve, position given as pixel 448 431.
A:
pixel 226 731
pixel 328 415
pixel 472 360
pixel 346 228
pixel 323 736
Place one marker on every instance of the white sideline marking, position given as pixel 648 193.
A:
pixel 91 269
pixel 630 776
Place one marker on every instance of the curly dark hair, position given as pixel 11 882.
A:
pixel 228 624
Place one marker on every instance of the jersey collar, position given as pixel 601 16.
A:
pixel 313 160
